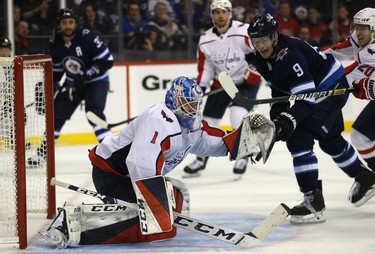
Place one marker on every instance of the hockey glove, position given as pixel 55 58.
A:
pixel 65 92
pixel 285 125
pixel 91 72
pixel 365 89
pixel 251 76
pixel 277 108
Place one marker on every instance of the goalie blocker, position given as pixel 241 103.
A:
pixel 254 137
pixel 91 224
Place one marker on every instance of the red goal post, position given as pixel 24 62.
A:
pixel 26 119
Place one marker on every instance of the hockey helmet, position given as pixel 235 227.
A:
pixel 262 25
pixel 365 16
pixel 66 13
pixel 221 4
pixel 5 43
pixel 184 98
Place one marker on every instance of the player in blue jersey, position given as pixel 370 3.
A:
pixel 86 60
pixel 293 66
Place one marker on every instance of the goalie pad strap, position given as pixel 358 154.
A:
pixel 89 224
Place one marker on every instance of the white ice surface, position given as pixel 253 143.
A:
pixel 241 205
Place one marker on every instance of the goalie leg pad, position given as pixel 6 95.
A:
pixel 154 198
pixel 111 224
pixel 116 224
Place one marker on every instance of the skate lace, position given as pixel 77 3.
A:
pixel 355 189
pixel 307 200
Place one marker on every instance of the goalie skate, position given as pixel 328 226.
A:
pixel 55 236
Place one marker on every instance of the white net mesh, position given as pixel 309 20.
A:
pixel 34 121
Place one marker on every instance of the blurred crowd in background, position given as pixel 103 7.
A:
pixel 141 30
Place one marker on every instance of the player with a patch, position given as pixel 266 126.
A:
pixel 86 60
pixel 131 166
pixel 293 66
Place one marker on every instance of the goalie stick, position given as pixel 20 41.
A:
pixel 104 124
pixel 231 89
pixel 246 240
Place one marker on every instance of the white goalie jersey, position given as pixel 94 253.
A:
pixel 154 144
pixel 364 65
pixel 225 52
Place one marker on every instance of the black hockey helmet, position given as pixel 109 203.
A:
pixel 262 25
pixel 5 42
pixel 66 13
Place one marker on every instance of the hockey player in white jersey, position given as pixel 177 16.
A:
pixel 360 46
pixel 131 165
pixel 224 48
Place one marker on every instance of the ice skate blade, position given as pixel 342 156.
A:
pixel 369 194
pixel 311 218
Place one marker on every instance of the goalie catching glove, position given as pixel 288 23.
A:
pixel 254 137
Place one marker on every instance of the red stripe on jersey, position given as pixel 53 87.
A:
pixel 101 163
pixel 367 151
pixel 247 41
pixel 350 68
pixel 165 145
pixel 201 60
pixel 341 45
pixel 212 131
pixel 161 215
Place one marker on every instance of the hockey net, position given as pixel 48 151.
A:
pixel 26 119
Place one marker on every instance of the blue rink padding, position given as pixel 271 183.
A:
pixel 185 241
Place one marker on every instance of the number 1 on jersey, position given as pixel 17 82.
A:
pixel 153 140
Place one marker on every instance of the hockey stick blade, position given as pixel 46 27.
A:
pixel 208 229
pixel 104 124
pixel 231 89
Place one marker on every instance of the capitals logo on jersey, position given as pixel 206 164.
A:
pixel 166 117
